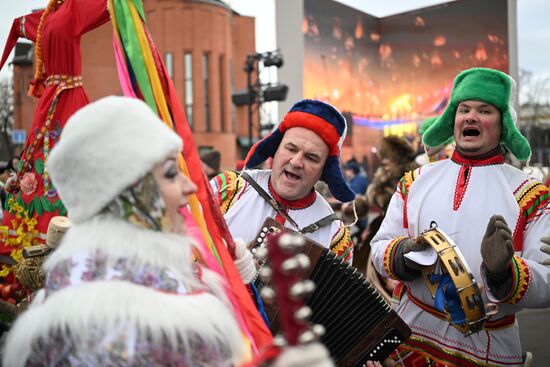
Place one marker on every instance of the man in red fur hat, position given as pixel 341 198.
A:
pixel 305 148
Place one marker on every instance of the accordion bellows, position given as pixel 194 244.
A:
pixel 360 324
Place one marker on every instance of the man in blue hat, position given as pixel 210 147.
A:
pixel 305 148
pixel 358 181
pixel 494 213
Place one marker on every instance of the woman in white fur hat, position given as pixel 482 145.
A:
pixel 122 288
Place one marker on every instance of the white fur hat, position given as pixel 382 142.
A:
pixel 104 148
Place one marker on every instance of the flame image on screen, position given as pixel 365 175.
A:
pixel 401 65
pixel 440 41
pixel 359 33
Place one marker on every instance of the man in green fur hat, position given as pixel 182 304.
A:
pixel 494 213
pixel 487 87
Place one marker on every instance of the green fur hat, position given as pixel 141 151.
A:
pixel 426 124
pixel 490 86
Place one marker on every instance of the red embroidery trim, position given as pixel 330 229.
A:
pixel 488 350
pixel 520 186
pixel 218 181
pixel 243 190
pixel 518 232
pixel 495 159
pixel 461 185
pixel 405 216
pixel 466 171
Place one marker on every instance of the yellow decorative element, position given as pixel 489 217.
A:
pixel 341 241
pixel 229 189
pixel 528 194
pixel 388 256
pixel 406 182
pixel 6 269
pixel 24 234
pixel 520 278
pixel 36 87
pixel 196 212
pixel 154 79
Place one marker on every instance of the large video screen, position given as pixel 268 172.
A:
pixel 399 69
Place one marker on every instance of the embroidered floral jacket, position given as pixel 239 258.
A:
pixel 119 295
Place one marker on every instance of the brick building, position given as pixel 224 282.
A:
pixel 204 44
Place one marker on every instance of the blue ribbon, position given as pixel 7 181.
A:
pixel 259 302
pixel 447 299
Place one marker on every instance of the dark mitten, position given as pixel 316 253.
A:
pixel 411 244
pixel 497 247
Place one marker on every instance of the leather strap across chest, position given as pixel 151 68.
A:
pixel 281 209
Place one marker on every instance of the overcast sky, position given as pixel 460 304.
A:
pixel 533 23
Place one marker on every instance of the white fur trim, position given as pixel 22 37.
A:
pixel 122 239
pixel 104 304
pixel 343 136
pixel 104 148
pixel 309 355
pixel 513 99
pixel 119 238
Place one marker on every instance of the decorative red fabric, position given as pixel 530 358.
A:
pixel 291 204
pixel 62 31
pixel 466 169
pixel 497 158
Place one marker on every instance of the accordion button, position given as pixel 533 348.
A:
pixel 266 274
pixel 303 314
pixel 268 294
pixel 279 341
pixel 261 253
pixel 306 337
pixel 318 330
pixel 302 289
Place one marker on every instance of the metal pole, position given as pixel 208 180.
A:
pixel 260 97
pixel 250 90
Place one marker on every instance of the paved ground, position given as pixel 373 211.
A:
pixel 534 328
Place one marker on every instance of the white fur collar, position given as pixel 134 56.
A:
pixel 94 309
pixel 119 238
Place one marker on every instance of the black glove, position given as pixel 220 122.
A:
pixel 497 247
pixel 411 244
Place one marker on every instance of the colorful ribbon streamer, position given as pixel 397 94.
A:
pixel 143 75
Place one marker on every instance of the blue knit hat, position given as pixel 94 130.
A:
pixel 324 120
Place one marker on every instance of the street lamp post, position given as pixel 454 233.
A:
pixel 250 93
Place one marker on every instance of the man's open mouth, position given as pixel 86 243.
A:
pixel 292 176
pixel 470 131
